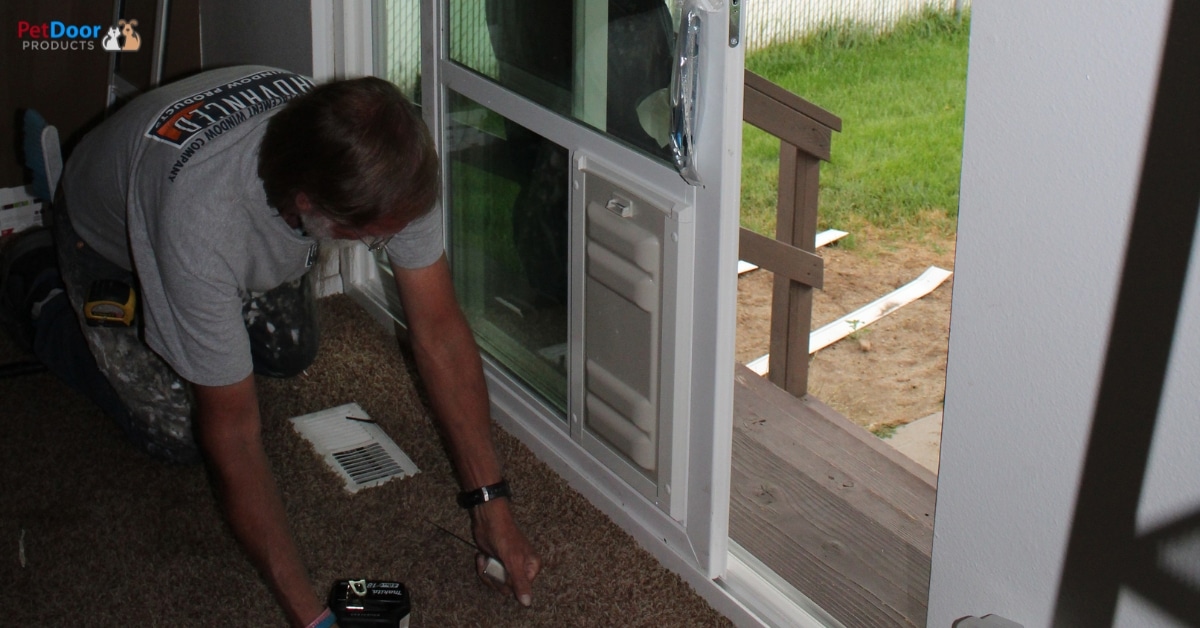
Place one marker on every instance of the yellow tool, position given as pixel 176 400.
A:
pixel 110 303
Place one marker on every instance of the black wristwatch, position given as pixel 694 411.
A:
pixel 471 499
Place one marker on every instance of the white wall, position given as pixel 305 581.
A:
pixel 1058 101
pixel 276 33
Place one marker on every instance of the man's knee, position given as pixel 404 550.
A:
pixel 287 356
pixel 111 365
pixel 168 445
pixel 149 401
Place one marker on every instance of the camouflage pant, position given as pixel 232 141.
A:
pixel 156 405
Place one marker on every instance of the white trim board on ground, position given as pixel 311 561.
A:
pixel 825 237
pixel 877 309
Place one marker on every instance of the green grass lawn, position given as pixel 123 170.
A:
pixel 895 165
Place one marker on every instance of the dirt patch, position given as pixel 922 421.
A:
pixel 889 373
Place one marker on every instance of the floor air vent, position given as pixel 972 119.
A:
pixel 354 446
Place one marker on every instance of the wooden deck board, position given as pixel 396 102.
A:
pixel 785 423
pixel 839 515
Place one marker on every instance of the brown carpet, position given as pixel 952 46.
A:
pixel 111 537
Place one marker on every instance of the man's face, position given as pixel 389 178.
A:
pixel 321 227
pixel 317 226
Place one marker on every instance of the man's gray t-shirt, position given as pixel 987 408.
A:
pixel 168 187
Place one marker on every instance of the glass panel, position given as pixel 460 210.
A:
pixel 509 242
pixel 607 64
pixel 398 49
pixel 398 60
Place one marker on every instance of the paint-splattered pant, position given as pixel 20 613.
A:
pixel 149 401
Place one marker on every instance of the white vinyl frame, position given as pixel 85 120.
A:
pixel 694 543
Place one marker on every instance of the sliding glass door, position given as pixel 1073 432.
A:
pixel 591 151
pixel 587 157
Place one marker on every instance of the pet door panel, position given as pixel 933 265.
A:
pixel 622 326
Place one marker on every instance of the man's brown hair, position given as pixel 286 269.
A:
pixel 357 149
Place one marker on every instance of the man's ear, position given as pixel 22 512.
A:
pixel 291 210
pixel 301 203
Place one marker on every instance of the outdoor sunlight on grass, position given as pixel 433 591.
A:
pixel 900 95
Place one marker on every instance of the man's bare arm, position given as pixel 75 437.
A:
pixel 230 434
pixel 448 360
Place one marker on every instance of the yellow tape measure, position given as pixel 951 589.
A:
pixel 110 303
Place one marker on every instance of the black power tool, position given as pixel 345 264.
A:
pixel 369 604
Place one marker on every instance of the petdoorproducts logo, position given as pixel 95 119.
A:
pixel 123 37
pixel 56 35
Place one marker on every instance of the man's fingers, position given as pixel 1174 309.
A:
pixel 533 565
pixel 522 579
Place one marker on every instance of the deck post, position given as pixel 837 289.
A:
pixel 804 131
pixel 791 303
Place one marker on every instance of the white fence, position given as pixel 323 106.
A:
pixel 771 21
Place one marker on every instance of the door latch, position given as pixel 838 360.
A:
pixel 620 206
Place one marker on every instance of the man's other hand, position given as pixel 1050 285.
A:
pixel 497 535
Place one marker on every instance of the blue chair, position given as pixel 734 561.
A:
pixel 43 155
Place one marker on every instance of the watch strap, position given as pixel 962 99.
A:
pixel 484 494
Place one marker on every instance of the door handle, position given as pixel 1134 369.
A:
pixel 685 94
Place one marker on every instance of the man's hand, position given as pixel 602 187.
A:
pixel 497 535
pixel 230 433
pixel 448 360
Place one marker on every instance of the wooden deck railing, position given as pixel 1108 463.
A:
pixel 804 131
